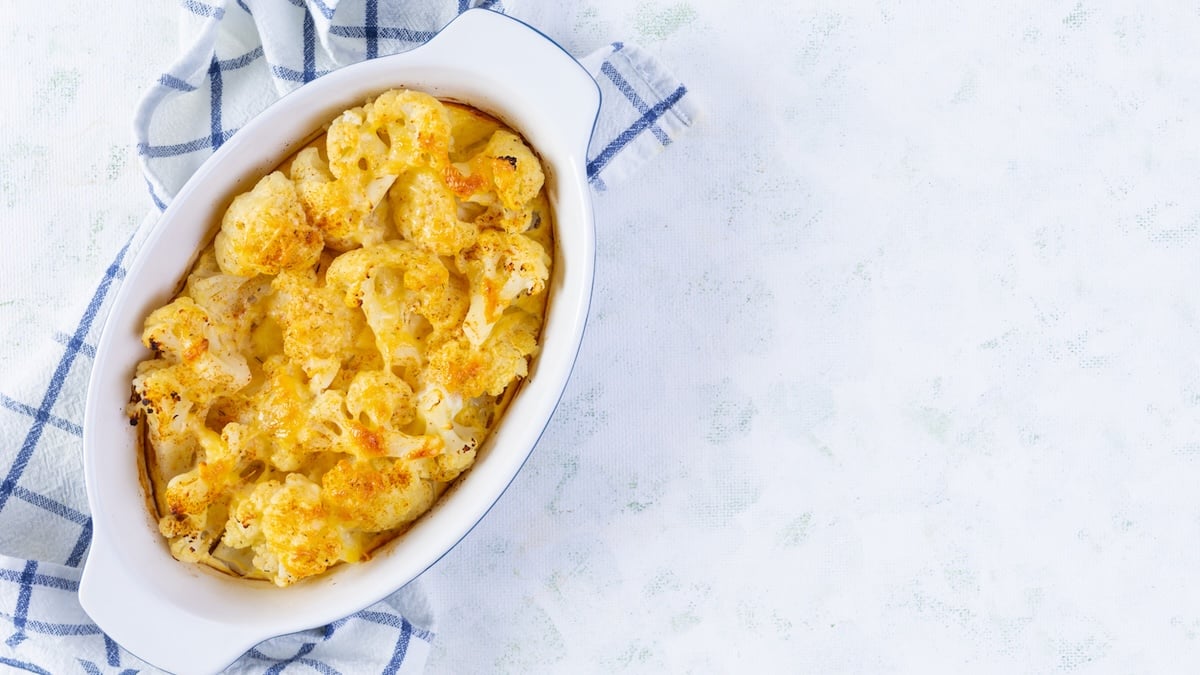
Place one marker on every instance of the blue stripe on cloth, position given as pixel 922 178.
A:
pixel 618 143
pixel 57 380
pixel 310 48
pixel 463 5
pixel 294 75
pixel 47 504
pixel 24 665
pixel 393 621
pixel 383 32
pixel 241 61
pixel 93 669
pixel 83 347
pixel 201 9
pixel 214 93
pixel 60 629
pixel 81 545
pixel 407 632
pixel 371 27
pixel 624 87
pixel 245 7
pixel 112 653
pixel 46 580
pixel 330 629
pixel 380 618
pixel 158 203
pixel 400 650
pixel 280 664
pixel 492 4
pixel 325 10
pixel 323 668
pixel 168 80
pixel 22 610
pixel 52 420
pixel 148 150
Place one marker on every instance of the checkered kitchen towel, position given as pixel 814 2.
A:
pixel 241 56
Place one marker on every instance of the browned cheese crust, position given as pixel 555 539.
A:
pixel 347 341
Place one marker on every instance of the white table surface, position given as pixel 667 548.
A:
pixel 892 363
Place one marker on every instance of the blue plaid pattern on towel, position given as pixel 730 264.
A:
pixel 220 83
pixel 642 108
pixel 39 599
pixel 242 56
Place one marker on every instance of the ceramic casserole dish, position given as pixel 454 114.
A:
pixel 188 618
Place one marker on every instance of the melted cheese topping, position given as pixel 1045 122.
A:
pixel 341 350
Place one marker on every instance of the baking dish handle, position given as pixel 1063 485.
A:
pixel 149 625
pixel 522 69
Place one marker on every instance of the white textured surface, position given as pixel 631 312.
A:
pixel 892 364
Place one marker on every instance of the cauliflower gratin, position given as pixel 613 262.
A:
pixel 339 352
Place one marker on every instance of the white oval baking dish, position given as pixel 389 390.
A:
pixel 189 619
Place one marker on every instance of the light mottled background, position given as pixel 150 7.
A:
pixel 892 362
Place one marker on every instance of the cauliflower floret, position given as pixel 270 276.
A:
pixel 189 494
pixel 332 428
pixel 282 404
pixel 408 296
pixel 366 358
pixel 504 176
pixel 368 148
pixel 471 370
pixel 370 278
pixel 320 331
pixel 169 416
pixel 438 296
pixel 414 128
pixel 441 411
pixel 351 270
pixel 288 528
pixel 205 267
pixel 265 231
pixel 229 296
pixel 183 333
pixel 380 399
pixel 178 331
pixel 500 267
pixel 516 173
pixel 376 494
pixel 348 218
pixel 470 130
pixel 425 212
pixel 234 301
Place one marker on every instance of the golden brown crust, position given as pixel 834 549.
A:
pixel 338 354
